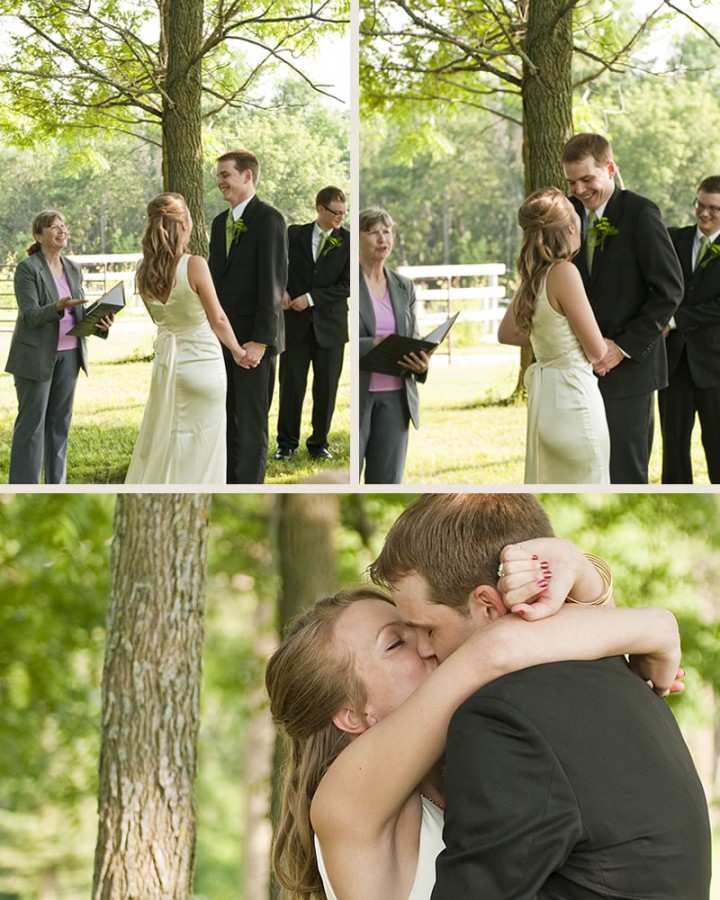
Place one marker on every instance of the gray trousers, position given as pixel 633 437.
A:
pixel 384 433
pixel 43 423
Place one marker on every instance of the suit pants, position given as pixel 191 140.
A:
pixel 384 433
pixel 631 423
pixel 249 395
pixel 42 425
pixel 678 403
pixel 294 366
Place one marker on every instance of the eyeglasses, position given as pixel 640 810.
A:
pixel 700 207
pixel 339 214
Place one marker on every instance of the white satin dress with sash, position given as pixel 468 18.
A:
pixel 567 433
pixel 431 845
pixel 182 436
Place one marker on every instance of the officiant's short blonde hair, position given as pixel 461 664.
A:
pixel 453 541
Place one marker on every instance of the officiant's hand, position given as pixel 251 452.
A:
pixel 415 362
pixel 65 302
pixel 106 322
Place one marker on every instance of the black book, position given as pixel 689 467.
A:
pixel 384 356
pixel 111 302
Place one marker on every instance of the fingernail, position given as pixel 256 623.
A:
pixel 519 612
pixel 534 556
pixel 542 583
pixel 544 565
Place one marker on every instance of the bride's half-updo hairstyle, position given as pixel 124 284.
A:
pixel 544 217
pixel 309 678
pixel 162 245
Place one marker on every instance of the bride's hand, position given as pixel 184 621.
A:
pixel 661 669
pixel 538 575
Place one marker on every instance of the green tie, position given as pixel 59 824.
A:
pixel 590 238
pixel 229 225
pixel 704 244
pixel 321 244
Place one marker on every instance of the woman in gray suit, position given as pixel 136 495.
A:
pixel 388 403
pixel 44 358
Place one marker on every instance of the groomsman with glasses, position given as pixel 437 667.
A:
pixel 316 327
pixel 693 344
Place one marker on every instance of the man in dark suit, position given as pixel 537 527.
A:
pixel 564 781
pixel 693 344
pixel 316 329
pixel 633 280
pixel 248 263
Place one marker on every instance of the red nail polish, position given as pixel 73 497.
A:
pixel 534 556
pixel 542 584
pixel 544 565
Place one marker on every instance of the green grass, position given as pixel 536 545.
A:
pixel 469 434
pixel 109 405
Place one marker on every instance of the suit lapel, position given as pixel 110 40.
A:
pixel 367 314
pixel 247 218
pixel 397 299
pixel 612 214
pixel 306 242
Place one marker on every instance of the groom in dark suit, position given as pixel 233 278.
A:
pixel 633 280
pixel 564 781
pixel 248 263
pixel 693 344
pixel 316 329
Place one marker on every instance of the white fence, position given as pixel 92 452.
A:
pixel 441 291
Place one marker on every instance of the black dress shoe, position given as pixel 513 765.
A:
pixel 320 453
pixel 284 453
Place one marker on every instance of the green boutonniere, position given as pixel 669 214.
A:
pixel 712 252
pixel 600 232
pixel 238 228
pixel 330 244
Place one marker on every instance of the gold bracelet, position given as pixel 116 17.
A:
pixel 604 570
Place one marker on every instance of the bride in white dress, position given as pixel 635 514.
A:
pixel 366 716
pixel 567 433
pixel 182 438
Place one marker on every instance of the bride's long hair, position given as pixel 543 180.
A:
pixel 544 217
pixel 163 243
pixel 309 679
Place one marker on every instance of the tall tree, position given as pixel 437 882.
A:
pixel 147 68
pixel 150 697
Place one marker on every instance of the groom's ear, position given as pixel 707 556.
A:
pixel 349 720
pixel 486 603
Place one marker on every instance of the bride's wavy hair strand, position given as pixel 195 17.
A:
pixel 162 245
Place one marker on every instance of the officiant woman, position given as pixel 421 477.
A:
pixel 44 359
pixel 388 403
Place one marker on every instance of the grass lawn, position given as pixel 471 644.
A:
pixel 468 433
pixel 109 405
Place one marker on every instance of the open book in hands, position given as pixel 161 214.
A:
pixel 108 304
pixel 385 356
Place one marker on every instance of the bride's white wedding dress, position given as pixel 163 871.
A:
pixel 567 433
pixel 431 844
pixel 182 436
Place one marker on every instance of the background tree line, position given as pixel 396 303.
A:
pixel 63 556
pixel 455 131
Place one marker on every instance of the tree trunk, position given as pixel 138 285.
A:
pixel 151 688
pixel 181 41
pixel 547 107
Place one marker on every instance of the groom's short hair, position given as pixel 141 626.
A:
pixel 453 541
pixel 243 160
pixel 587 144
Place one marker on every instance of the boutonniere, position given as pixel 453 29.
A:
pixel 712 252
pixel 330 244
pixel 238 228
pixel 600 232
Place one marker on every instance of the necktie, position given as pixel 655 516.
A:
pixel 704 244
pixel 229 225
pixel 321 244
pixel 590 238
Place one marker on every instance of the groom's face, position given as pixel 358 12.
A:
pixel 440 629
pixel 590 181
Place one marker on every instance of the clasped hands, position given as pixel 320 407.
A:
pixel 613 357
pixel 298 304
pixel 251 355
pixel 540 574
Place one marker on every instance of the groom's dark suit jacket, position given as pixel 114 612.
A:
pixel 634 288
pixel 571 781
pixel 250 281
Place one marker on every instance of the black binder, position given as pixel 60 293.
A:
pixel 384 356
pixel 111 302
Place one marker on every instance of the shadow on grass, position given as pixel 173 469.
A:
pixel 488 401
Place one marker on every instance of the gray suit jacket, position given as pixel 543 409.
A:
pixel 402 297
pixel 34 341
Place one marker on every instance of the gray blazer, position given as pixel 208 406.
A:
pixel 402 297
pixel 34 341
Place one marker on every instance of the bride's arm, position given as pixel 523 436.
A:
pixel 367 786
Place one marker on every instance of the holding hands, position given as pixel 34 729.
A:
pixel 612 358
